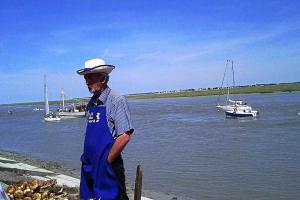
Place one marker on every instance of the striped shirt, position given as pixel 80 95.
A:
pixel 3 195
pixel 117 111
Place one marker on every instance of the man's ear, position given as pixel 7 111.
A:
pixel 104 80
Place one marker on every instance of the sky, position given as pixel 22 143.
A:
pixel 156 45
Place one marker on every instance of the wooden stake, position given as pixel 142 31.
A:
pixel 138 183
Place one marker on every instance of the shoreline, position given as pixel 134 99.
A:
pixel 256 89
pixel 11 175
pixel 263 89
pixel 15 168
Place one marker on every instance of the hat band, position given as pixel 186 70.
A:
pixel 90 69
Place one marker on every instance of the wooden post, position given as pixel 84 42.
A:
pixel 138 183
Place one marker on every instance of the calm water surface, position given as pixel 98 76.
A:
pixel 188 148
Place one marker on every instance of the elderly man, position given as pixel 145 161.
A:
pixel 109 129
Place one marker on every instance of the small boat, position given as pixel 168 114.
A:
pixel 71 114
pixel 242 111
pixel 71 111
pixel 9 111
pixel 37 109
pixel 49 116
pixel 52 117
pixel 235 108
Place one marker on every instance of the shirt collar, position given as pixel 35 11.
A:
pixel 102 98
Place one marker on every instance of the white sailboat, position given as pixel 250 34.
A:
pixel 73 111
pixel 49 116
pixel 234 108
pixel 9 111
pixel 37 109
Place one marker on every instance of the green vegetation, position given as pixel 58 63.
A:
pixel 261 88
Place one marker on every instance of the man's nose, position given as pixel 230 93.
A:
pixel 88 83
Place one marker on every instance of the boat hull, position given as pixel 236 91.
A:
pixel 71 114
pixel 52 119
pixel 225 107
pixel 236 114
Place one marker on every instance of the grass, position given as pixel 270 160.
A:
pixel 270 88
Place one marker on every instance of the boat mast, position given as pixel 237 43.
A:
pixel 46 97
pixel 232 73
pixel 63 98
pixel 228 77
pixel 228 87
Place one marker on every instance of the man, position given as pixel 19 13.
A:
pixel 109 129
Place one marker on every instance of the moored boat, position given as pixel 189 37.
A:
pixel 71 111
pixel 242 111
pixel 37 109
pixel 235 108
pixel 49 116
pixel 71 114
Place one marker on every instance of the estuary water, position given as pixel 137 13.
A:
pixel 187 148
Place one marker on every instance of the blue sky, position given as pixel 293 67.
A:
pixel 155 44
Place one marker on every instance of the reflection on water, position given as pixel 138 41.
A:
pixel 186 146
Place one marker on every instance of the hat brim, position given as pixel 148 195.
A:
pixel 98 69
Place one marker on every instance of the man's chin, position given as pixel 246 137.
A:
pixel 91 90
pixel 94 91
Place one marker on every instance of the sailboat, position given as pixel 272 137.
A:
pixel 234 108
pixel 37 109
pixel 9 111
pixel 73 111
pixel 49 116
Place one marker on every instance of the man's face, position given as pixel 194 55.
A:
pixel 94 82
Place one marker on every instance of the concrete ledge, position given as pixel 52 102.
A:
pixel 43 174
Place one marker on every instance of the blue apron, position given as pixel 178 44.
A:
pixel 98 179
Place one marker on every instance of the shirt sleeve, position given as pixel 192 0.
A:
pixel 3 195
pixel 122 119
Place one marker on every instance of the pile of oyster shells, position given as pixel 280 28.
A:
pixel 38 190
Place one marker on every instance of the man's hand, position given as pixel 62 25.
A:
pixel 118 146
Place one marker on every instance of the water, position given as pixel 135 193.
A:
pixel 188 148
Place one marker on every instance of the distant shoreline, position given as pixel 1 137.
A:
pixel 261 89
pixel 249 89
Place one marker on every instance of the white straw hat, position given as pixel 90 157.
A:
pixel 95 66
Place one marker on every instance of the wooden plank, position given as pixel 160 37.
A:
pixel 138 183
